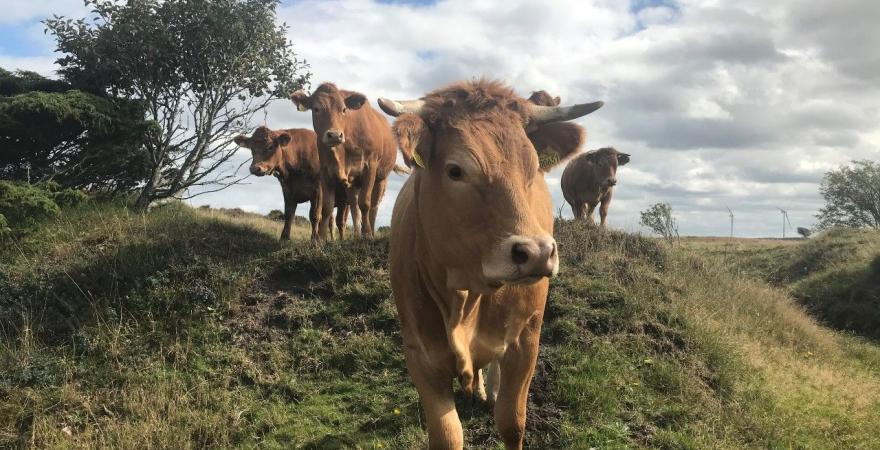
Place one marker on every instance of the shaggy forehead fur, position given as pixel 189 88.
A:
pixel 263 135
pixel 474 100
pixel 543 98
pixel 605 152
pixel 332 95
pixel 489 118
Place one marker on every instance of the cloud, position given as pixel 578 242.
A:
pixel 17 11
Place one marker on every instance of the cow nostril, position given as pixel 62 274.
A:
pixel 519 254
pixel 553 250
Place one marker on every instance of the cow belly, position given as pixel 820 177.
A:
pixel 301 188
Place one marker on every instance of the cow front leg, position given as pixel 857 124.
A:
pixel 366 201
pixel 315 218
pixel 603 209
pixel 289 212
pixel 517 367
pixel 328 201
pixel 436 397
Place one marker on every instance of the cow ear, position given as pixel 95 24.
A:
pixel 301 100
pixel 556 141
pixel 241 140
pixel 282 139
pixel 557 100
pixel 622 159
pixel 413 138
pixel 355 100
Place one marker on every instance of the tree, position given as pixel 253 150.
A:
pixel 50 132
pixel 201 68
pixel 804 232
pixel 852 196
pixel 658 217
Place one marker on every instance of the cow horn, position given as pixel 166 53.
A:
pixel 396 108
pixel 546 114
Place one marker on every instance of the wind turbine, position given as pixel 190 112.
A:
pixel 784 220
pixel 731 221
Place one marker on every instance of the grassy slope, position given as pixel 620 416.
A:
pixel 835 275
pixel 178 329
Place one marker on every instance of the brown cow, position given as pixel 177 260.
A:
pixel 292 156
pixel 356 148
pixel 543 98
pixel 589 180
pixel 472 246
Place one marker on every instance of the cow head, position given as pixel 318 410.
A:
pixel 544 98
pixel 604 163
pixel 265 146
pixel 483 205
pixel 329 106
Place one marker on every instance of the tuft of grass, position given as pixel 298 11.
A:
pixel 187 328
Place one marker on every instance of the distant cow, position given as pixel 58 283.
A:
pixel 589 180
pixel 292 156
pixel 472 246
pixel 356 148
pixel 543 98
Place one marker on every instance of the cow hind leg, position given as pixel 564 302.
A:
pixel 478 388
pixel 589 214
pixel 579 210
pixel 353 207
pixel 378 193
pixel 341 218
pixel 493 381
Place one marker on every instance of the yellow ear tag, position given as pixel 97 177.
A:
pixel 418 159
pixel 300 107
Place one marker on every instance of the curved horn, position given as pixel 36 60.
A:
pixel 545 114
pixel 395 108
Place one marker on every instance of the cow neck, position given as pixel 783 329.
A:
pixel 459 308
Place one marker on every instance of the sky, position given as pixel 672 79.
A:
pixel 721 104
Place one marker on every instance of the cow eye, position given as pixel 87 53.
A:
pixel 454 172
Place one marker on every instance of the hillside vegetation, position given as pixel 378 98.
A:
pixel 835 275
pixel 185 328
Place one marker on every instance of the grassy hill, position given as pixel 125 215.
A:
pixel 187 328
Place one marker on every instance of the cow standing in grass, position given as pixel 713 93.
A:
pixel 356 148
pixel 472 246
pixel 292 157
pixel 589 180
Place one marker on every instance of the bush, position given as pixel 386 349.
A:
pixel 4 225
pixel 64 197
pixel 24 205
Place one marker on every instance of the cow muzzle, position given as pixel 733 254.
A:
pixel 333 137
pixel 522 260
pixel 260 171
pixel 611 182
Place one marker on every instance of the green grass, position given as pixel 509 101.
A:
pixel 185 328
